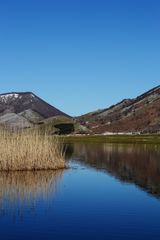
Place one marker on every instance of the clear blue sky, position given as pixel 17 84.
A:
pixel 80 55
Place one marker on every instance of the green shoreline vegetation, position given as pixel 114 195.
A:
pixel 145 139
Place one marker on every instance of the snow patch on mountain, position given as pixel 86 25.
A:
pixel 4 98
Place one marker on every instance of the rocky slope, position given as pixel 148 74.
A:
pixel 141 114
pixel 24 109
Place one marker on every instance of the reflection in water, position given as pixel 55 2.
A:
pixel 85 204
pixel 139 164
pixel 23 188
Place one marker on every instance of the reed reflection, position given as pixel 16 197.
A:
pixel 138 164
pixel 22 189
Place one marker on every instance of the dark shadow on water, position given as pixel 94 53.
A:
pixel 133 163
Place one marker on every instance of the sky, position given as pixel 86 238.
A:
pixel 80 55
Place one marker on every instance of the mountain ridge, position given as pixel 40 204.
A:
pixel 137 115
pixel 140 114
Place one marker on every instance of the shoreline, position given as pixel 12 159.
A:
pixel 143 139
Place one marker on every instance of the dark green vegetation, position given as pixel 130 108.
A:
pixel 60 125
pixel 155 139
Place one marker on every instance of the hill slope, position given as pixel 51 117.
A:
pixel 24 109
pixel 20 101
pixel 141 114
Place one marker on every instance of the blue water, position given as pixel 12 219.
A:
pixel 107 197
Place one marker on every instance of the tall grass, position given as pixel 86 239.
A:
pixel 26 150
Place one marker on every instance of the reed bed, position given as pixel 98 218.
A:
pixel 27 150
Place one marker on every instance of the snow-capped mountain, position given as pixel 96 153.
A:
pixel 17 102
pixel 25 109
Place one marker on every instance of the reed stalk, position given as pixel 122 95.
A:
pixel 26 150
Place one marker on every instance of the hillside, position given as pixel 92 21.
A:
pixel 61 125
pixel 25 109
pixel 138 115
pixel 141 114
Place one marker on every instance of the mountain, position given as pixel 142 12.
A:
pixel 20 101
pixel 138 115
pixel 24 109
pixel 141 114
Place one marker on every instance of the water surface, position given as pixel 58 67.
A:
pixel 110 191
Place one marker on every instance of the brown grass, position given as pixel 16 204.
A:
pixel 26 150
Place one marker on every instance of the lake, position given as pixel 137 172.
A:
pixel 109 191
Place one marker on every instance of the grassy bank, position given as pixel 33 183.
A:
pixel 150 139
pixel 29 151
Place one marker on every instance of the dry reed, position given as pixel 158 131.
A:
pixel 26 150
